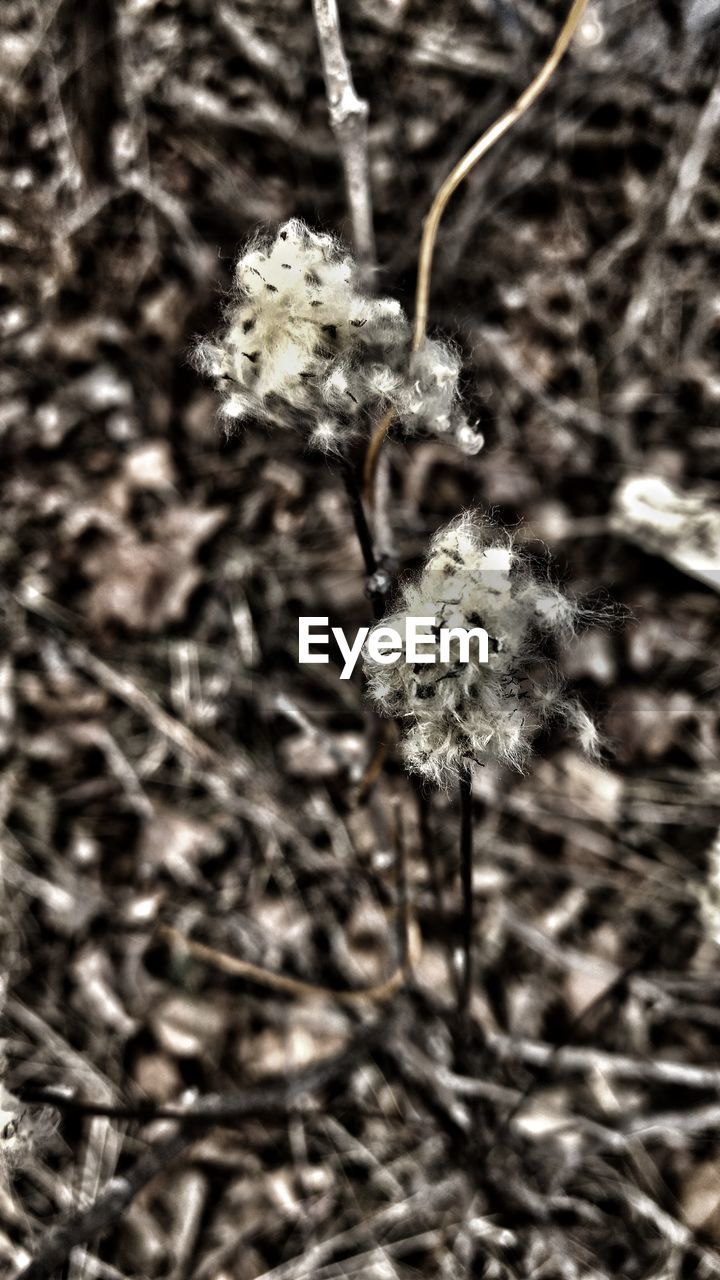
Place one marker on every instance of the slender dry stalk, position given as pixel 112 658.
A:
pixel 403 900
pixel 476 153
pixel 377 580
pixel 466 868
pixel 296 987
pixel 377 761
pixel 373 452
pixel 348 118
pixel 694 158
pixel 454 179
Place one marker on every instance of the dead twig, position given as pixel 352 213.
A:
pixel 348 118
pixel 238 968
pixel 454 179
pixel 271 1100
pixel 570 1058
pixel 694 159
pixel 377 579
pixel 466 870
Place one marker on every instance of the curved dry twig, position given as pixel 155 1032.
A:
pixel 454 179
pixel 238 968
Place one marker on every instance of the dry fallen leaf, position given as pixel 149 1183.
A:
pixel 145 584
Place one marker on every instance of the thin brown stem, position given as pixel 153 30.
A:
pixel 377 762
pixel 296 987
pixel 428 844
pixel 378 581
pixel 454 179
pixel 466 878
pixel 373 453
pixel 403 901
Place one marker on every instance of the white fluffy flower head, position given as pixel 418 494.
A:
pixel 457 713
pixel 306 347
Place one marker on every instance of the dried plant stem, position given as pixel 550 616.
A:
pixel 373 453
pixel 377 580
pixel 694 158
pixel 454 179
pixel 471 158
pixel 427 841
pixel 348 118
pixel 238 968
pixel 377 761
pixel 466 878
pixel 403 901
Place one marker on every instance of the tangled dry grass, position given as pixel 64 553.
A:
pixel 164 764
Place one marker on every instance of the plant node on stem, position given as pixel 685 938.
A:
pixel 378 579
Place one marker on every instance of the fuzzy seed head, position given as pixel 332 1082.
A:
pixel 306 347
pixel 456 713
pixel 429 404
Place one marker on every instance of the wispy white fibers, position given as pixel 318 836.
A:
pixel 306 347
pixel 457 712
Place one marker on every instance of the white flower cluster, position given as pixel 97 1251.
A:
pixel 306 347
pixel 458 713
